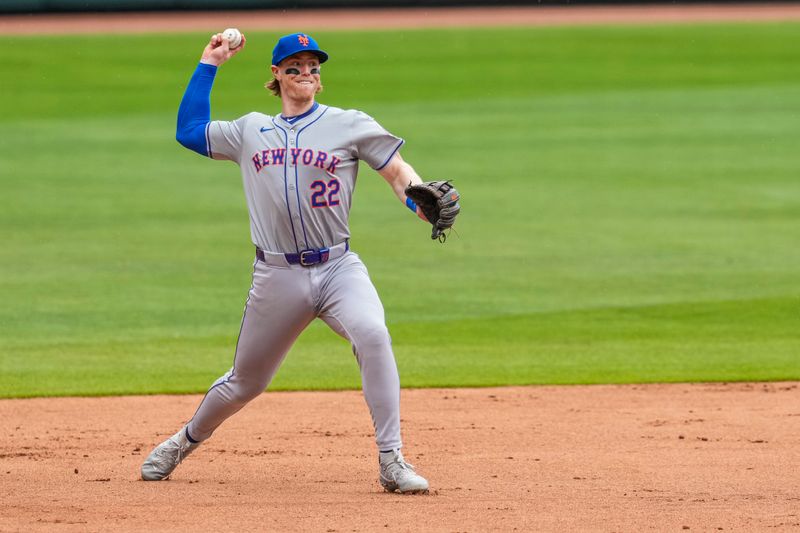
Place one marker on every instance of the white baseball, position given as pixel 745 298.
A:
pixel 234 37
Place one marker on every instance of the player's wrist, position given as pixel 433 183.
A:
pixel 415 209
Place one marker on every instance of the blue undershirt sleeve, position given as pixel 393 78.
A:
pixel 194 113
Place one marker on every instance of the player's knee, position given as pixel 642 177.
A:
pixel 245 390
pixel 371 338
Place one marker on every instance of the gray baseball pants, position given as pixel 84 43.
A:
pixel 283 301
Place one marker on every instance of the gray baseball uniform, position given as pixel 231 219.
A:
pixel 299 175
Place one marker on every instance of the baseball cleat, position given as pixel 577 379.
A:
pixel 398 476
pixel 166 456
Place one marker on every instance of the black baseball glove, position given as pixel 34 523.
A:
pixel 438 201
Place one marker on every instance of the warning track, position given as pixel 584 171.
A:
pixel 349 19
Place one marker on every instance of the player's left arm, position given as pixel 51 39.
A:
pixel 399 174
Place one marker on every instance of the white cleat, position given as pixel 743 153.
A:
pixel 398 476
pixel 166 456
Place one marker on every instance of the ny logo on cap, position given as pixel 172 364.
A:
pixel 303 40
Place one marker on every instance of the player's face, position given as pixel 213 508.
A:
pixel 299 75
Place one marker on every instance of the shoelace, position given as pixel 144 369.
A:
pixel 164 453
pixel 398 463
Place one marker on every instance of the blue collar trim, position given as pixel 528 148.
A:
pixel 292 120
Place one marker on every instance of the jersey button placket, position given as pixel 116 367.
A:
pixel 289 155
pixel 297 218
pixel 297 215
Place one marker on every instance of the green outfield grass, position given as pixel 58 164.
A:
pixel 631 209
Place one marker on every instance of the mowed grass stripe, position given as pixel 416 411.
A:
pixel 696 341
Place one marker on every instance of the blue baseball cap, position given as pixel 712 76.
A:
pixel 295 43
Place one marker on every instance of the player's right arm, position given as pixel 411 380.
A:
pixel 194 113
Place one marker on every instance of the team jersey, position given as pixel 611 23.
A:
pixel 299 173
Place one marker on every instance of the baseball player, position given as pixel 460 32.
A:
pixel 299 171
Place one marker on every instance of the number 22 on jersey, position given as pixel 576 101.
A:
pixel 325 194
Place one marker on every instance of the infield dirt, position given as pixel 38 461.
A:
pixel 719 457
pixel 601 458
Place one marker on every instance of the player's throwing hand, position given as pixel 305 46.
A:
pixel 218 50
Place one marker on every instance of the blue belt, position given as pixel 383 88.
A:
pixel 307 257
